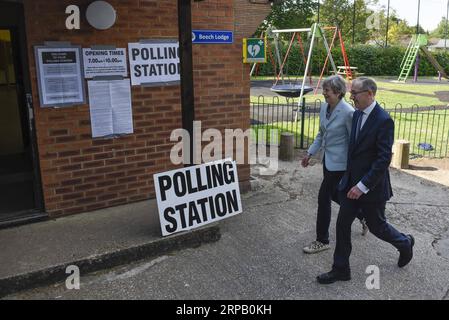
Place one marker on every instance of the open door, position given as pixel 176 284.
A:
pixel 20 185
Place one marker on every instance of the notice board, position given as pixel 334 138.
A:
pixel 60 76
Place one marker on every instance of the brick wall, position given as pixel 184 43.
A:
pixel 248 16
pixel 81 174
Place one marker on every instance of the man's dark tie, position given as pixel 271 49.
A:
pixel 359 125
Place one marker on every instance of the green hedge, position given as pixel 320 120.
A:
pixel 370 60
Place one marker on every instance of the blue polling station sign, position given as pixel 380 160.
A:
pixel 212 36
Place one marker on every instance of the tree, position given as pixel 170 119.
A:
pixel 289 14
pixel 440 31
pixel 341 13
pixel 335 13
pixel 400 32
pixel 420 30
pixel 377 26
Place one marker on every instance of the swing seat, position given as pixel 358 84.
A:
pixel 290 90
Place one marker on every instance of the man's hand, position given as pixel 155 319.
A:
pixel 354 193
pixel 305 161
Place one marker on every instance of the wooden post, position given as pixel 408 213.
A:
pixel 186 64
pixel 286 152
pixel 401 152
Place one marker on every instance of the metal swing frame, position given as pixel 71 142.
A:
pixel 317 32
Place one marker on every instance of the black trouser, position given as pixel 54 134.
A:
pixel 374 214
pixel 325 196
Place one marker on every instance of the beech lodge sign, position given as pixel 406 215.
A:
pixel 191 197
pixel 212 36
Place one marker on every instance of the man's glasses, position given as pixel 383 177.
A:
pixel 354 93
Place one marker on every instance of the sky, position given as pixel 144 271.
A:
pixel 431 11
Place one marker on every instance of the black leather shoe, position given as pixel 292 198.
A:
pixel 333 276
pixel 406 256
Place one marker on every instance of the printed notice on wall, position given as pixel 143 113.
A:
pixel 98 63
pixel 59 75
pixel 110 108
pixel 191 197
pixel 155 63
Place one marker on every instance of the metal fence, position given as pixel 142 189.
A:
pixel 426 128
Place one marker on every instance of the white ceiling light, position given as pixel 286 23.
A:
pixel 101 15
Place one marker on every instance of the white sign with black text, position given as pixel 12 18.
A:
pixel 154 63
pixel 98 63
pixel 191 197
pixel 59 75
pixel 110 107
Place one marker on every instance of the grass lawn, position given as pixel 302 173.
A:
pixel 428 93
pixel 390 99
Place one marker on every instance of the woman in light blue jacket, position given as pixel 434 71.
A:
pixel 333 140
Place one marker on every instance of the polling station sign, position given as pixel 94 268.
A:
pixel 154 63
pixel 191 197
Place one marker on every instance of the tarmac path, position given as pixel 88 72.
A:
pixel 259 255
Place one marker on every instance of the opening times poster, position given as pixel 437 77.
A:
pixel 98 63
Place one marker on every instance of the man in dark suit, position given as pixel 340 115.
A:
pixel 366 184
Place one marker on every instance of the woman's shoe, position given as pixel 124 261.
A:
pixel 316 246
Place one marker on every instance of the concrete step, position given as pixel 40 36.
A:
pixel 38 254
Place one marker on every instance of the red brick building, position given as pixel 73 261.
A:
pixel 49 163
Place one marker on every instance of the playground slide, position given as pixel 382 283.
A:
pixel 434 62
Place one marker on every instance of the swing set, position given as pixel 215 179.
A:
pixel 298 89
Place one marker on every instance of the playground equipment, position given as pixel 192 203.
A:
pixel 418 42
pixel 298 89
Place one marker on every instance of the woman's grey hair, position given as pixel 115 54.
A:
pixel 337 84
pixel 367 84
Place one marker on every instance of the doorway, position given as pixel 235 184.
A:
pixel 20 187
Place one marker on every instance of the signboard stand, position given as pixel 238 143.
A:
pixel 192 197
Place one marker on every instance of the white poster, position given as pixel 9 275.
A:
pixel 154 63
pixel 104 63
pixel 110 107
pixel 191 197
pixel 59 75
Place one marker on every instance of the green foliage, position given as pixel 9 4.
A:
pixel 399 29
pixel 440 31
pixel 369 26
pixel 336 13
pixel 341 13
pixel 289 14
pixel 370 60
